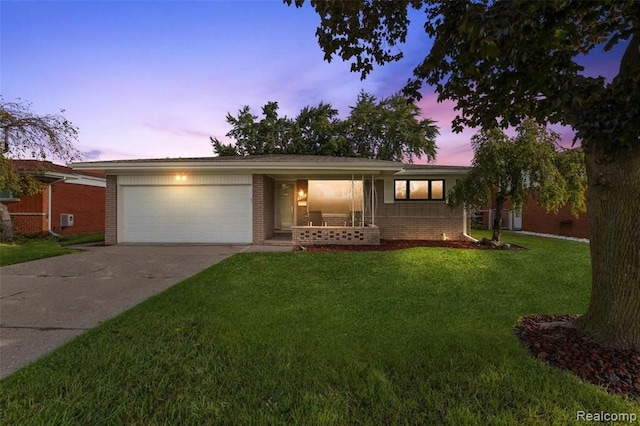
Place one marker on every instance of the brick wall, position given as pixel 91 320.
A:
pixel 111 211
pixel 263 208
pixel 417 220
pixel 536 219
pixel 311 235
pixel 302 218
pixel 86 204
pixel 29 215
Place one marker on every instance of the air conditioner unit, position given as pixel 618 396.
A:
pixel 66 220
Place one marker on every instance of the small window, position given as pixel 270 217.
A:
pixel 6 196
pixel 437 190
pixel 419 189
pixel 401 190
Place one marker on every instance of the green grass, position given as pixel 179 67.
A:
pixel 418 336
pixel 26 249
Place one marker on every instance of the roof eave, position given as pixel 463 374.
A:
pixel 449 170
pixel 253 167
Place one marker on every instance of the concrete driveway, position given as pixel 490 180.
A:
pixel 45 303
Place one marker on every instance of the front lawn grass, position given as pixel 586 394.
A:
pixel 27 249
pixel 417 336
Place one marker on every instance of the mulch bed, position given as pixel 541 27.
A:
pixel 568 348
pixel 386 245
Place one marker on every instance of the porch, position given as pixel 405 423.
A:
pixel 326 211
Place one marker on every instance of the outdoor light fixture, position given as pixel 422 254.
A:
pixel 181 178
pixel 302 198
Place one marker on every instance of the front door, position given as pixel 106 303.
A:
pixel 517 220
pixel 285 205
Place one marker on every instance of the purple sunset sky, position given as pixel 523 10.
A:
pixel 146 79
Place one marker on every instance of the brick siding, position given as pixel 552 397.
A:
pixel 536 219
pixel 311 235
pixel 29 215
pixel 86 203
pixel 263 208
pixel 417 220
pixel 111 211
pixel 302 218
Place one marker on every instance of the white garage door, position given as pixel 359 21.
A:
pixel 186 214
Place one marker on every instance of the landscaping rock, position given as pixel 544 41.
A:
pixel 554 340
pixel 489 243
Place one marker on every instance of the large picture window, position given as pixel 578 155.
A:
pixel 419 189
pixel 335 196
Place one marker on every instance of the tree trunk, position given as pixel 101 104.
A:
pixel 497 221
pixel 613 316
pixel 7 224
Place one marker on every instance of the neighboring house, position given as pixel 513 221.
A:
pixel 71 203
pixel 534 218
pixel 253 199
pixel 511 218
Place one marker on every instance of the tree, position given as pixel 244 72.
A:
pixel 504 61
pixel 24 133
pixel 270 135
pixel 320 132
pixel 516 168
pixel 388 129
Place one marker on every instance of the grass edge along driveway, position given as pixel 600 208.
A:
pixel 417 336
pixel 28 249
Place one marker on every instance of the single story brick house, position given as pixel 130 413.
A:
pixel 255 199
pixel 72 203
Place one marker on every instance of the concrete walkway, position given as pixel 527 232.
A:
pixel 46 303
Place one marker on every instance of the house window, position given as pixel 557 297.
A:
pixel 6 196
pixel 335 196
pixel 419 189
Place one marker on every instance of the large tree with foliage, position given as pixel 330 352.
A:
pixel 504 61
pixel 389 129
pixel 24 133
pixel 385 129
pixel 517 168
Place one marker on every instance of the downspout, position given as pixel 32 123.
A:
pixel 49 203
pixel 464 225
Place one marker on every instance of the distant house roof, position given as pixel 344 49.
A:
pixel 46 171
pixel 49 167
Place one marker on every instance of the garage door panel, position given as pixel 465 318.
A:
pixel 198 214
